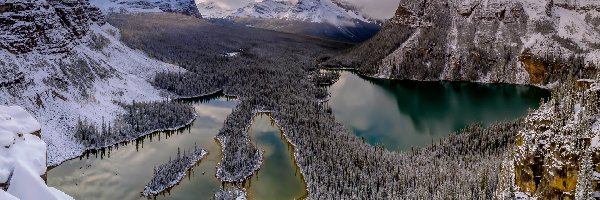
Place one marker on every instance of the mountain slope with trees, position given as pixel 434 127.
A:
pixel 60 61
pixel 511 41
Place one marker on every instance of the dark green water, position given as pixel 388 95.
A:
pixel 404 114
pixel 123 173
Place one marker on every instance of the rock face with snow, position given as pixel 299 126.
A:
pixel 46 26
pixel 60 61
pixel 557 154
pixel 326 18
pixel 187 7
pixel 515 41
pixel 23 157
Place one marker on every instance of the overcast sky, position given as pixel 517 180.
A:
pixel 378 9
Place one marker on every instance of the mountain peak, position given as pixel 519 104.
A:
pixel 335 12
pixel 187 7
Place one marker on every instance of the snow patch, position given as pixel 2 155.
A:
pixel 18 145
pixel 25 184
pixel 23 157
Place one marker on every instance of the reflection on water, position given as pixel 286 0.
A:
pixel 279 177
pixel 404 114
pixel 123 172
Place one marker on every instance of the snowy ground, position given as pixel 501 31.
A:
pixel 23 157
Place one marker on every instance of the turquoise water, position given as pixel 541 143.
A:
pixel 403 114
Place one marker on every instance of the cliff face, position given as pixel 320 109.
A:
pixel 557 154
pixel 514 41
pixel 45 26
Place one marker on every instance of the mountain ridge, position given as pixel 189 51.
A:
pixel 332 19
pixel 186 7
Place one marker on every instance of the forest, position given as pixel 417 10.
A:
pixel 139 119
pixel 169 174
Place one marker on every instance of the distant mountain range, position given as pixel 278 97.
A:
pixel 334 19
pixel 187 7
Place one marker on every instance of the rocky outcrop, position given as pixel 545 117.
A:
pixel 557 153
pixel 46 26
pixel 513 41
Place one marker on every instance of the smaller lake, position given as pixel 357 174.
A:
pixel 403 114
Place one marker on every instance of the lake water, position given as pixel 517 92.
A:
pixel 123 172
pixel 279 178
pixel 403 114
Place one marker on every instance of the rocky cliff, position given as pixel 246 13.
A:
pixel 514 41
pixel 557 153
pixel 45 26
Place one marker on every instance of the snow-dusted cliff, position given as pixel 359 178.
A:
pixel 557 153
pixel 341 19
pixel 187 7
pixel 72 67
pixel 515 41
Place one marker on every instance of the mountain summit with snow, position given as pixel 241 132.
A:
pixel 336 19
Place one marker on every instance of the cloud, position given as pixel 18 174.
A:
pixel 378 9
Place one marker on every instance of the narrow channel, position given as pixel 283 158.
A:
pixel 279 177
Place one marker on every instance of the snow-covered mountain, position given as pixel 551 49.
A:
pixel 187 7
pixel 337 19
pixel 61 62
pixel 515 41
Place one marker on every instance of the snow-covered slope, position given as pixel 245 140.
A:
pixel 340 17
pixel 84 79
pixel 23 157
pixel 516 41
pixel 187 7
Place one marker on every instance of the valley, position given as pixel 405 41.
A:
pixel 449 99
